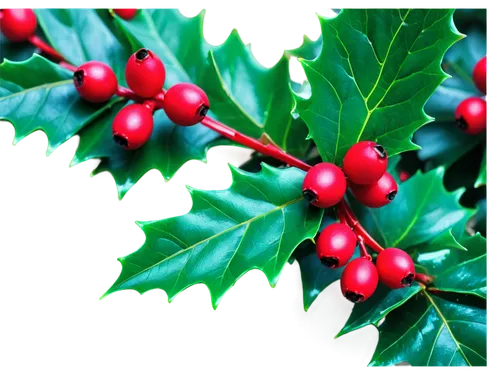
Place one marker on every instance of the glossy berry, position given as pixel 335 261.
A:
pixel 365 163
pixel 471 115
pixel 126 14
pixel 336 245
pixel 18 24
pixel 359 280
pixel 133 126
pixel 479 75
pixel 324 185
pixel 95 81
pixel 377 194
pixel 185 104
pixel 145 73
pixel 404 175
pixel 395 268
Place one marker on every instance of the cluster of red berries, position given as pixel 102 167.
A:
pixel 184 103
pixel 364 171
pixel 470 114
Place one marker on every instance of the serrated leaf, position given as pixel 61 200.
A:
pixel 82 35
pixel 375 72
pixel 169 147
pixel 39 95
pixel 421 211
pixel 255 224
pixel 243 94
pixel 468 276
pixel 309 49
pixel 481 178
pixel 374 309
pixel 431 331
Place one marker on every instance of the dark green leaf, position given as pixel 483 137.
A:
pixel 421 211
pixel 255 224
pixel 375 308
pixel 481 179
pixel 431 331
pixel 375 72
pixel 39 95
pixel 15 51
pixel 82 35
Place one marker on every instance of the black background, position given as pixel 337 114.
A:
pixel 58 234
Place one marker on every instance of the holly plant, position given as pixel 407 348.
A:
pixel 351 177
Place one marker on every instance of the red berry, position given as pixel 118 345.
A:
pixel 479 75
pixel 18 24
pixel 377 194
pixel 471 115
pixel 395 268
pixel 95 81
pixel 404 175
pixel 145 73
pixel 324 185
pixel 365 163
pixel 359 280
pixel 186 104
pixel 133 126
pixel 126 14
pixel 336 245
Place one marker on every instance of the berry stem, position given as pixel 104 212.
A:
pixel 45 48
pixel 423 278
pixel 352 220
pixel 269 149
pixel 68 66
pixel 362 247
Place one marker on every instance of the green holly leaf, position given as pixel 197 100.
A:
pixel 309 49
pixel 422 211
pixel 255 224
pixel 39 95
pixel 376 308
pixel 481 178
pixel 15 51
pixel 247 96
pixel 429 330
pixel 81 35
pixel 468 276
pixel 375 72
pixel 315 276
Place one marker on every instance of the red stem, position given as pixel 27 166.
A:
pixel 362 247
pixel 269 149
pixel 45 48
pixel 357 227
pixel 423 278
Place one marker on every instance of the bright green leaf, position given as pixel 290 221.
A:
pixel 375 72
pixel 432 331
pixel 255 224
pixel 39 95
pixel 421 211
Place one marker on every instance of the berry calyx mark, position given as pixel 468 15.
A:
pixel 141 54
pixel 392 195
pixel 408 280
pixel 310 196
pixel 78 78
pixel 354 297
pixel 461 124
pixel 203 110
pixel 120 140
pixel 330 262
pixel 380 151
